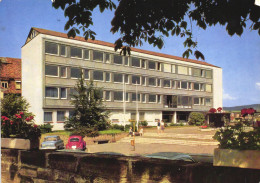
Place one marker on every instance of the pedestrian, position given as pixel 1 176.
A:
pixel 141 131
pixel 130 131
pixel 162 126
pixel 158 127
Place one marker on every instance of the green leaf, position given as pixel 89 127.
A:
pixel 198 55
pixel 184 24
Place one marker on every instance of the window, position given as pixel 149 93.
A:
pixel 166 83
pixel 136 80
pixel 118 96
pixel 151 65
pixel 141 116
pixel 159 98
pixel 127 61
pixel 18 85
pixel 208 102
pixel 159 68
pixel 151 82
pixel 152 98
pixel 63 93
pixel 60 115
pixel 98 75
pixel 75 72
pixel 167 67
pixel 107 58
pixel 202 73
pixel 184 101
pixel 184 85
pixel 173 84
pixel 158 82
pixel 47 116
pixel 196 101
pixel 107 76
pixel 51 70
pixel 190 86
pixel 201 101
pixel 173 69
pixel 108 95
pixel 51 48
pixel 134 97
pixel 143 80
pixel 86 73
pixel 126 78
pixel 143 63
pixel 118 59
pixel 62 50
pixel 86 54
pixel 143 98
pixel 182 70
pixel 209 74
pixel 75 52
pixel 208 88
pixel 63 72
pixel 97 56
pixel 51 92
pixel 136 62
pixel 4 84
pixel 133 116
pixel 196 86
pixel 202 87
pixel 118 78
pixel 196 72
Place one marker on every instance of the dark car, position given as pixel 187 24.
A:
pixel 76 142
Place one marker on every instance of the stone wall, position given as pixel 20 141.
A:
pixel 50 166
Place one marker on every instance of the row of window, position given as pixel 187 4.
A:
pixel 76 52
pixel 5 84
pixel 96 75
pixel 53 92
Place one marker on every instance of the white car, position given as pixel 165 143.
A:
pixel 52 142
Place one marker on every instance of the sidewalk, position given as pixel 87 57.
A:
pixel 185 140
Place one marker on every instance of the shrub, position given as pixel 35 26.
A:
pixel 84 131
pixel 118 127
pixel 144 123
pixel 234 137
pixel 46 128
pixel 196 118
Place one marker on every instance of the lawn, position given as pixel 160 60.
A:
pixel 110 131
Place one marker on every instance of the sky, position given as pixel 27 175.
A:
pixel 239 57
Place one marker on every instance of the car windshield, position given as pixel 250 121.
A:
pixel 74 140
pixel 50 139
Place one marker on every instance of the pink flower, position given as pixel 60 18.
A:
pixel 31 117
pixel 5 118
pixel 11 122
pixel 219 109
pixel 35 126
pixel 18 116
pixel 3 123
pixel 21 113
pixel 212 110
pixel 28 119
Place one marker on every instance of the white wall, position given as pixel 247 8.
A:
pixel 32 77
pixel 217 88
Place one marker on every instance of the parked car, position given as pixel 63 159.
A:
pixel 52 142
pixel 76 142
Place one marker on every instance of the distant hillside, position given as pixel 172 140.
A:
pixel 238 108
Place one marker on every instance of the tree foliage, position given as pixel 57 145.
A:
pixel 140 21
pixel 89 111
pixel 196 118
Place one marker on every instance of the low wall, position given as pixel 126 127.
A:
pixel 50 166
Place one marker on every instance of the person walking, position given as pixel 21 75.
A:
pixel 158 127
pixel 162 126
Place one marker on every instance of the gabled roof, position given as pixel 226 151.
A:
pixel 103 43
pixel 10 68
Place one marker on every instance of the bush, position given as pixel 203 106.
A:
pixel 234 137
pixel 196 118
pixel 118 127
pixel 144 123
pixel 46 128
pixel 84 131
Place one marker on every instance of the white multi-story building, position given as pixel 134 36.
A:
pixel 162 86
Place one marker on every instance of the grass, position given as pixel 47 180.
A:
pixel 59 132
pixel 110 131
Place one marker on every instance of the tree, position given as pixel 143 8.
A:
pixel 89 111
pixel 152 21
pixel 196 118
pixel 13 104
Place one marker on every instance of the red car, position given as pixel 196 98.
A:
pixel 76 142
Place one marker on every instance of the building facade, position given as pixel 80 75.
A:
pixel 10 76
pixel 155 86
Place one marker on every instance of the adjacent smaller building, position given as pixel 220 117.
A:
pixel 10 76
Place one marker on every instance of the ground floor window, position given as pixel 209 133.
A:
pixel 47 116
pixel 60 115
